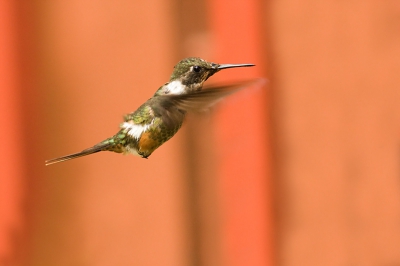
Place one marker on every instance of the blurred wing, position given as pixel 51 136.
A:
pixel 210 95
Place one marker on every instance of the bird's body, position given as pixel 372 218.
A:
pixel 160 117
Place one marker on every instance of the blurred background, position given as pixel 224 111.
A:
pixel 304 171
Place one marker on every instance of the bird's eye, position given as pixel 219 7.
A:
pixel 196 69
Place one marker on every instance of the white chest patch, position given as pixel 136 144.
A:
pixel 135 130
pixel 175 87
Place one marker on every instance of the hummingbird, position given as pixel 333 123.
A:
pixel 161 116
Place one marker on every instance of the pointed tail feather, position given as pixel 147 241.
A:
pixel 94 149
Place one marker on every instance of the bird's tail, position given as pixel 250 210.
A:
pixel 99 147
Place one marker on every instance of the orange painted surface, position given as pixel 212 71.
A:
pixel 11 163
pixel 336 68
pixel 242 136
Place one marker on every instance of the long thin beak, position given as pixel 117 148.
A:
pixel 224 66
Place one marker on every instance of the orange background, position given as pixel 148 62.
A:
pixel 302 172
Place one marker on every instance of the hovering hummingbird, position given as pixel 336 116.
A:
pixel 160 117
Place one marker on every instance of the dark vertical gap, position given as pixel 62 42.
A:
pixel 191 21
pixel 276 140
pixel 272 134
pixel 30 115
